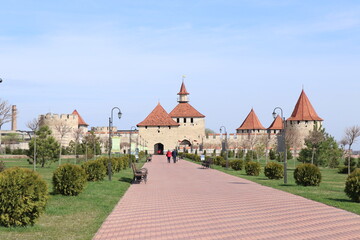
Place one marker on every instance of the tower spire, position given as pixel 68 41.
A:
pixel 183 93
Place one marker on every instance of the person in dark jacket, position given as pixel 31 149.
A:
pixel 174 155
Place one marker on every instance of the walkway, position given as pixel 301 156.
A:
pixel 183 201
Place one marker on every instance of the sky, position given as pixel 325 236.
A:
pixel 57 56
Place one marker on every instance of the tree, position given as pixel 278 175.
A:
pixel 47 146
pixel 5 115
pixel 209 131
pixel 34 125
pixel 316 136
pixel 77 134
pixel 351 134
pixel 91 144
pixel 293 139
pixel 62 128
pixel 327 152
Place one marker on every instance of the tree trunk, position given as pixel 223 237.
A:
pixel 60 153
pixel 312 156
pixel 349 160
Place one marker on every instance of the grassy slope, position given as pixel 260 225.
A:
pixel 72 217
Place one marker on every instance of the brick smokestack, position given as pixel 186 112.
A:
pixel 13 120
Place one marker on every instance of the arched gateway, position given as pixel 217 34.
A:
pixel 159 149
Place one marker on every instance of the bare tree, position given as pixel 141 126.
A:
pixel 62 128
pixel 351 134
pixel 265 142
pixel 293 139
pixel 343 142
pixel 34 125
pixel 5 116
pixel 77 134
pixel 315 137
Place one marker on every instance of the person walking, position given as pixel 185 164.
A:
pixel 174 155
pixel 168 155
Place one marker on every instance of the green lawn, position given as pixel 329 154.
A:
pixel 330 191
pixel 71 217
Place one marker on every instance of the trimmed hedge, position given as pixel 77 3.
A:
pixel 237 164
pixel 274 170
pixel 307 174
pixel 69 179
pixel 95 170
pixel 252 168
pixel 352 186
pixel 23 197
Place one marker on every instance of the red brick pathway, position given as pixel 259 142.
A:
pixel 183 201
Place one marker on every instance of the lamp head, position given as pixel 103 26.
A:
pixel 0 80
pixel 274 114
pixel 119 114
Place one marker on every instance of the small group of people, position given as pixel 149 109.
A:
pixel 172 154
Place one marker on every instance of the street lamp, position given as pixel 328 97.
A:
pixel 283 140
pixel 110 141
pixel 133 128
pixel 225 146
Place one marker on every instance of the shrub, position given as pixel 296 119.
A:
pixel 105 162
pixel 274 170
pixel 249 156
pixel 237 164
pixel 23 198
pixel 69 179
pixel 307 174
pixel 2 166
pixel 352 186
pixel 344 170
pixel 95 170
pixel 272 154
pixel 252 168
pixel 218 160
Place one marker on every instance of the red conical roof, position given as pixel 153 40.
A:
pixel 303 110
pixel 81 121
pixel 158 117
pixel 183 90
pixel 185 110
pixel 251 122
pixel 277 124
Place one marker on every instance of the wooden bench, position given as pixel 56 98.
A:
pixel 139 174
pixel 207 163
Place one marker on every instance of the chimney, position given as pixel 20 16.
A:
pixel 13 120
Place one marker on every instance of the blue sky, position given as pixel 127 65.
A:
pixel 57 56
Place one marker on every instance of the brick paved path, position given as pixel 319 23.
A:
pixel 183 201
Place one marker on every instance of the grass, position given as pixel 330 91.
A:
pixel 330 191
pixel 67 217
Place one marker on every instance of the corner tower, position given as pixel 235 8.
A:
pixel 303 118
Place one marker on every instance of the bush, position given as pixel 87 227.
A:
pixel 252 168
pixel 237 164
pixel 69 179
pixel 23 198
pixel 307 174
pixel 219 160
pixel 344 170
pixel 352 186
pixel 2 166
pixel 274 170
pixel 105 162
pixel 272 154
pixel 95 170
pixel 249 156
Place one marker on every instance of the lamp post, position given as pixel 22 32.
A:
pixel 131 129
pixel 283 140
pixel 110 140
pixel 225 146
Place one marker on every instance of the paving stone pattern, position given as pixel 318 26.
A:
pixel 183 201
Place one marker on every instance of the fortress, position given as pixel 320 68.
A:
pixel 184 128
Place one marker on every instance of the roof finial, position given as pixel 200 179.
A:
pixel 183 77
pixel 303 87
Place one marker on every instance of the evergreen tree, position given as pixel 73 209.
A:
pixel 47 148
pixel 272 154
